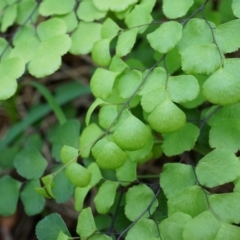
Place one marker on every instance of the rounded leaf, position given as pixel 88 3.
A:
pixel 88 12
pixel 88 138
pixel 167 117
pixel 83 45
pixel 33 202
pixel 165 38
pixel 223 87
pixel 127 82
pixel 201 59
pixel 10 70
pixel 78 175
pixel 140 15
pixel 182 88
pixel 143 229
pixel 196 32
pixel 211 169
pixel 105 196
pixel 177 142
pixel 102 82
pixel 108 155
pixel 135 209
pixel 68 154
pixel 176 8
pixel 9 192
pixel 126 41
pixel 30 163
pixel 50 7
pixel 132 134
pixel 101 52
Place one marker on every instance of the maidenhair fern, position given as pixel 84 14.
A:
pixel 166 82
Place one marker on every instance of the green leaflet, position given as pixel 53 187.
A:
pixel 181 140
pixel 115 6
pixel 51 41
pixel 58 46
pixel 134 209
pixel 107 115
pixel 88 138
pixel 126 41
pixel 206 226
pixel 142 230
pixel 165 38
pixel 200 98
pixel 30 163
pixel 10 70
pixel 101 52
pixel 126 173
pixel 191 201
pixel 142 153
pixel 105 196
pixel 86 225
pixel 127 82
pixel 78 175
pixel 226 112
pixel 9 190
pixel 108 155
pixel 91 33
pixel 25 49
pixel 102 83
pixel 81 192
pixel 182 88
pixel 223 86
pixel 68 154
pixel 117 64
pixel 176 8
pixel 50 7
pixel 211 169
pixel 153 99
pixel 196 32
pixel 132 134
pixel 50 227
pixel 176 177
pixel 228 231
pixel 23 35
pixel 172 227
pixel 139 17
pixel 224 134
pixel 207 61
pixel 25 9
pixel 167 117
pixel 33 202
pixel 236 8
pixel 226 206
pixel 156 80
pixel 227 36
pixel 88 12
pixel 9 17
pixel 109 29
pixel 203 226
pixel 70 20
